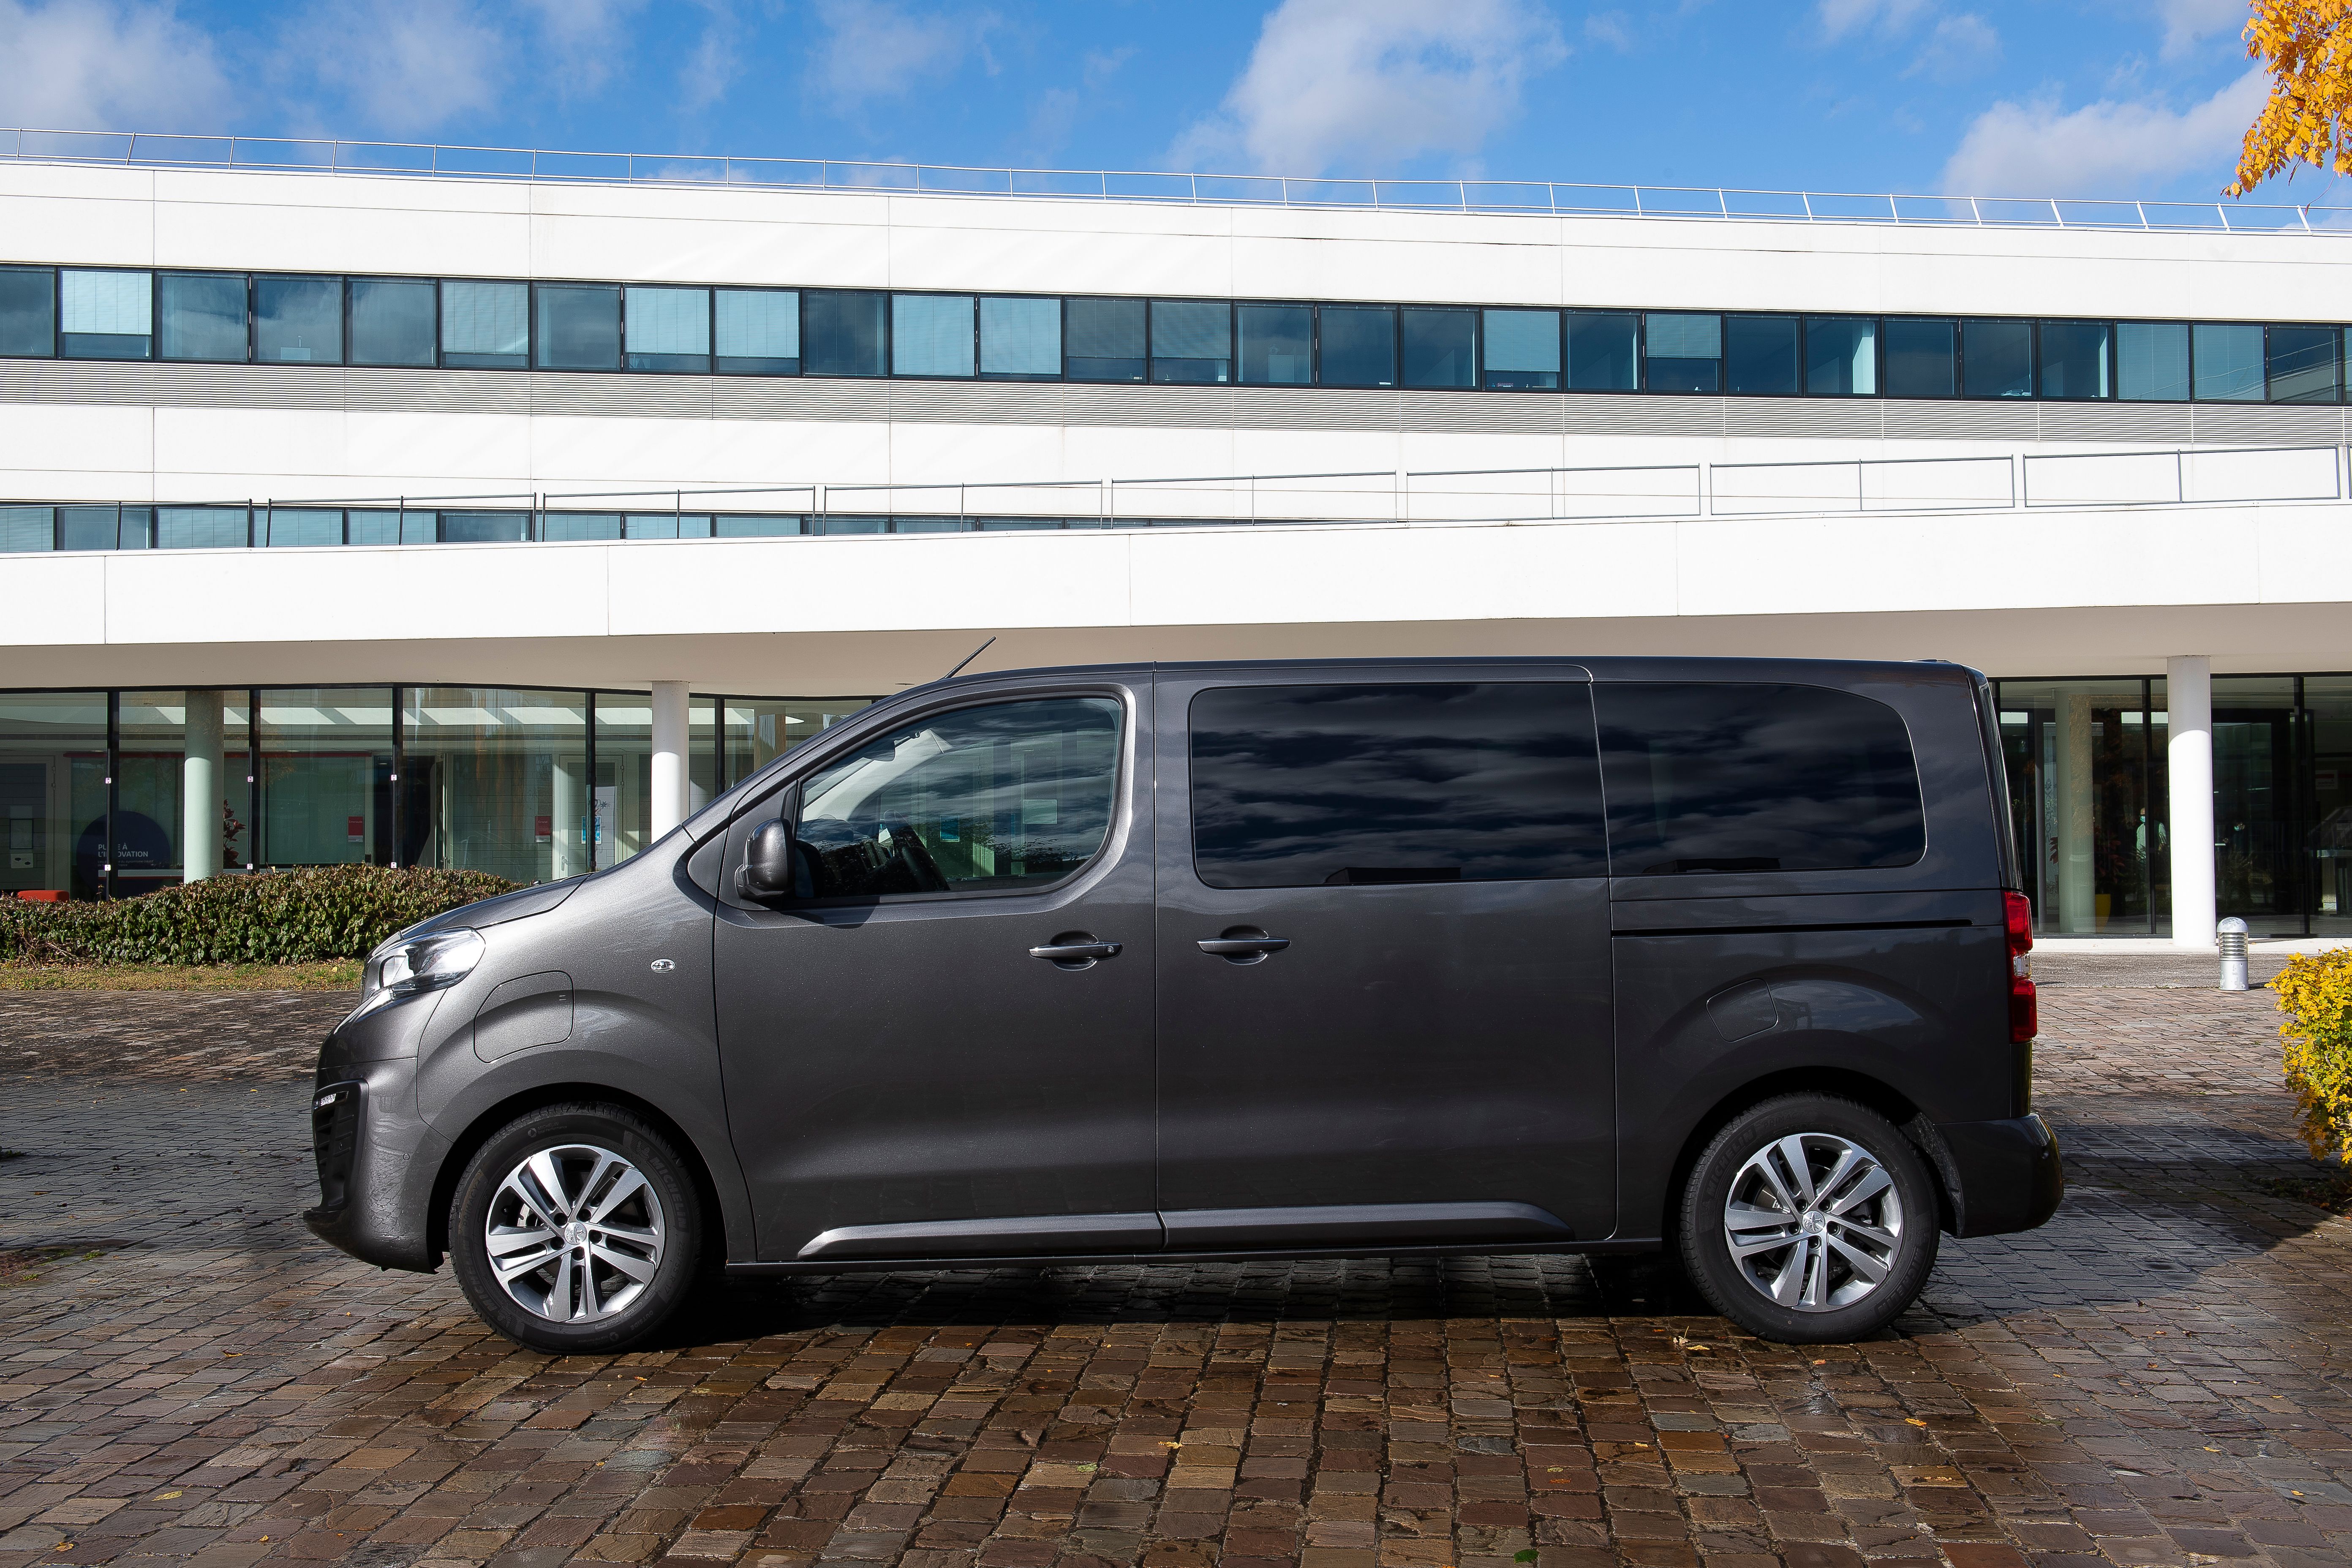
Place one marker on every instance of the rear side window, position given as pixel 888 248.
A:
pixel 996 798
pixel 1299 786
pixel 1755 778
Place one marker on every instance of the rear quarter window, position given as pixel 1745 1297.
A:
pixel 1715 776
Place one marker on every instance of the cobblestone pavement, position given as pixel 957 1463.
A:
pixel 188 1036
pixel 2158 1376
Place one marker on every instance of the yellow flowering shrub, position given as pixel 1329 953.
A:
pixel 2314 991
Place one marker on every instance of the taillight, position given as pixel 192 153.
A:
pixel 2024 1012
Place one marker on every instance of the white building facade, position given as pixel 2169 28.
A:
pixel 495 522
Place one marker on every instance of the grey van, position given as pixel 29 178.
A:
pixel 1185 962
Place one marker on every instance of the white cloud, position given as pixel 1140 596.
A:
pixel 1959 48
pixel 92 64
pixel 2105 149
pixel 1610 27
pixel 1840 17
pixel 403 66
pixel 2188 22
pixel 584 38
pixel 874 49
pixel 717 61
pixel 1370 83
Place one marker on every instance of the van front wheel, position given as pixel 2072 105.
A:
pixel 1810 1219
pixel 575 1229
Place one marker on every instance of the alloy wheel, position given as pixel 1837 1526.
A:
pixel 575 1234
pixel 1813 1222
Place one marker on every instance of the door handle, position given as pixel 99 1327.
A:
pixel 1066 952
pixel 1242 947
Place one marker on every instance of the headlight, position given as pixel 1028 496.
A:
pixel 403 967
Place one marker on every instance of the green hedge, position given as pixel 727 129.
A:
pixel 279 917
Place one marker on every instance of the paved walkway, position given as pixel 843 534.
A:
pixel 2160 1375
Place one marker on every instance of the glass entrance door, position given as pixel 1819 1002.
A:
pixel 2085 760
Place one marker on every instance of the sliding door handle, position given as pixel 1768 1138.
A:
pixel 1240 948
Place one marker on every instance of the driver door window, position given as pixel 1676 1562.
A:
pixel 1006 797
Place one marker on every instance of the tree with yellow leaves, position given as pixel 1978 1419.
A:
pixel 2307 46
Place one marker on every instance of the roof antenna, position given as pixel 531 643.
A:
pixel 974 653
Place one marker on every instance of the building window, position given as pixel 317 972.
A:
pixel 380 527
pixel 106 527
pixel 26 528
pixel 759 331
pixel 1997 359
pixel 1760 355
pixel 298 320
pixel 203 316
pixel 1684 352
pixel 1192 341
pixel 2152 361
pixel 1358 346
pixel 302 528
pixel 1105 341
pixel 669 329
pixel 1840 356
pixel 106 315
pixel 1522 350
pixel 202 528
pixel 843 332
pixel 2074 359
pixel 2301 364
pixel 578 326
pixel 1020 340
pixel 485 527
pixel 1277 344
pixel 485 326
pixel 1604 351
pixel 931 334
pixel 391 322
pixel 1440 347
pixel 28 312
pixel 2228 362
pixel 580 525
pixel 1921 357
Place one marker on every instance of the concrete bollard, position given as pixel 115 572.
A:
pixel 2232 935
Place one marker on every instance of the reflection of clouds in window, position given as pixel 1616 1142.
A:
pixel 1295 786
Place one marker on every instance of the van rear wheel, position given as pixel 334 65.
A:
pixel 576 1229
pixel 1810 1219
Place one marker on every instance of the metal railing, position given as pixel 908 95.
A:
pixel 433 160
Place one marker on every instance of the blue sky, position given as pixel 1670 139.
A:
pixel 2133 98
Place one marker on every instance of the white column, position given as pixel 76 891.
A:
pixel 667 808
pixel 2078 892
pixel 569 826
pixel 199 786
pixel 2189 749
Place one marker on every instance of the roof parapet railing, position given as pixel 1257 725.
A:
pixel 294 155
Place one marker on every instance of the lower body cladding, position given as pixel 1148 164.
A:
pixel 380 1165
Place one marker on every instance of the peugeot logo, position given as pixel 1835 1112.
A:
pixel 663 965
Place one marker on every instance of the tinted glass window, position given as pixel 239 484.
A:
pixel 391 322
pixel 484 326
pixel 1106 339
pixel 2074 359
pixel 1523 350
pixel 203 315
pixel 1301 787
pixel 1192 341
pixel 842 333
pixel 669 329
pixel 578 326
pixel 298 320
pixel 1840 356
pixel 28 318
pixel 2152 361
pixel 1011 796
pixel 1020 340
pixel 1440 347
pixel 1278 343
pixel 759 331
pixel 1997 359
pixel 1760 355
pixel 1920 361
pixel 1359 345
pixel 2229 361
pixel 1685 352
pixel 1704 777
pixel 1603 350
pixel 2302 364
pixel 931 334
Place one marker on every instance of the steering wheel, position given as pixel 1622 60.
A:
pixel 911 853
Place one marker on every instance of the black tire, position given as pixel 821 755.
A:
pixel 1830 1298
pixel 625 1307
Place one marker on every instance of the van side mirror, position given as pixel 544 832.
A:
pixel 767 869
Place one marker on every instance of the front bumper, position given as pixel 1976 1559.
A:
pixel 2002 1176
pixel 377 1162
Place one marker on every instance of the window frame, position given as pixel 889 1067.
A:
pixel 890 354
pixel 792 769
pixel 526 360
pixel 1152 355
pixel 433 356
